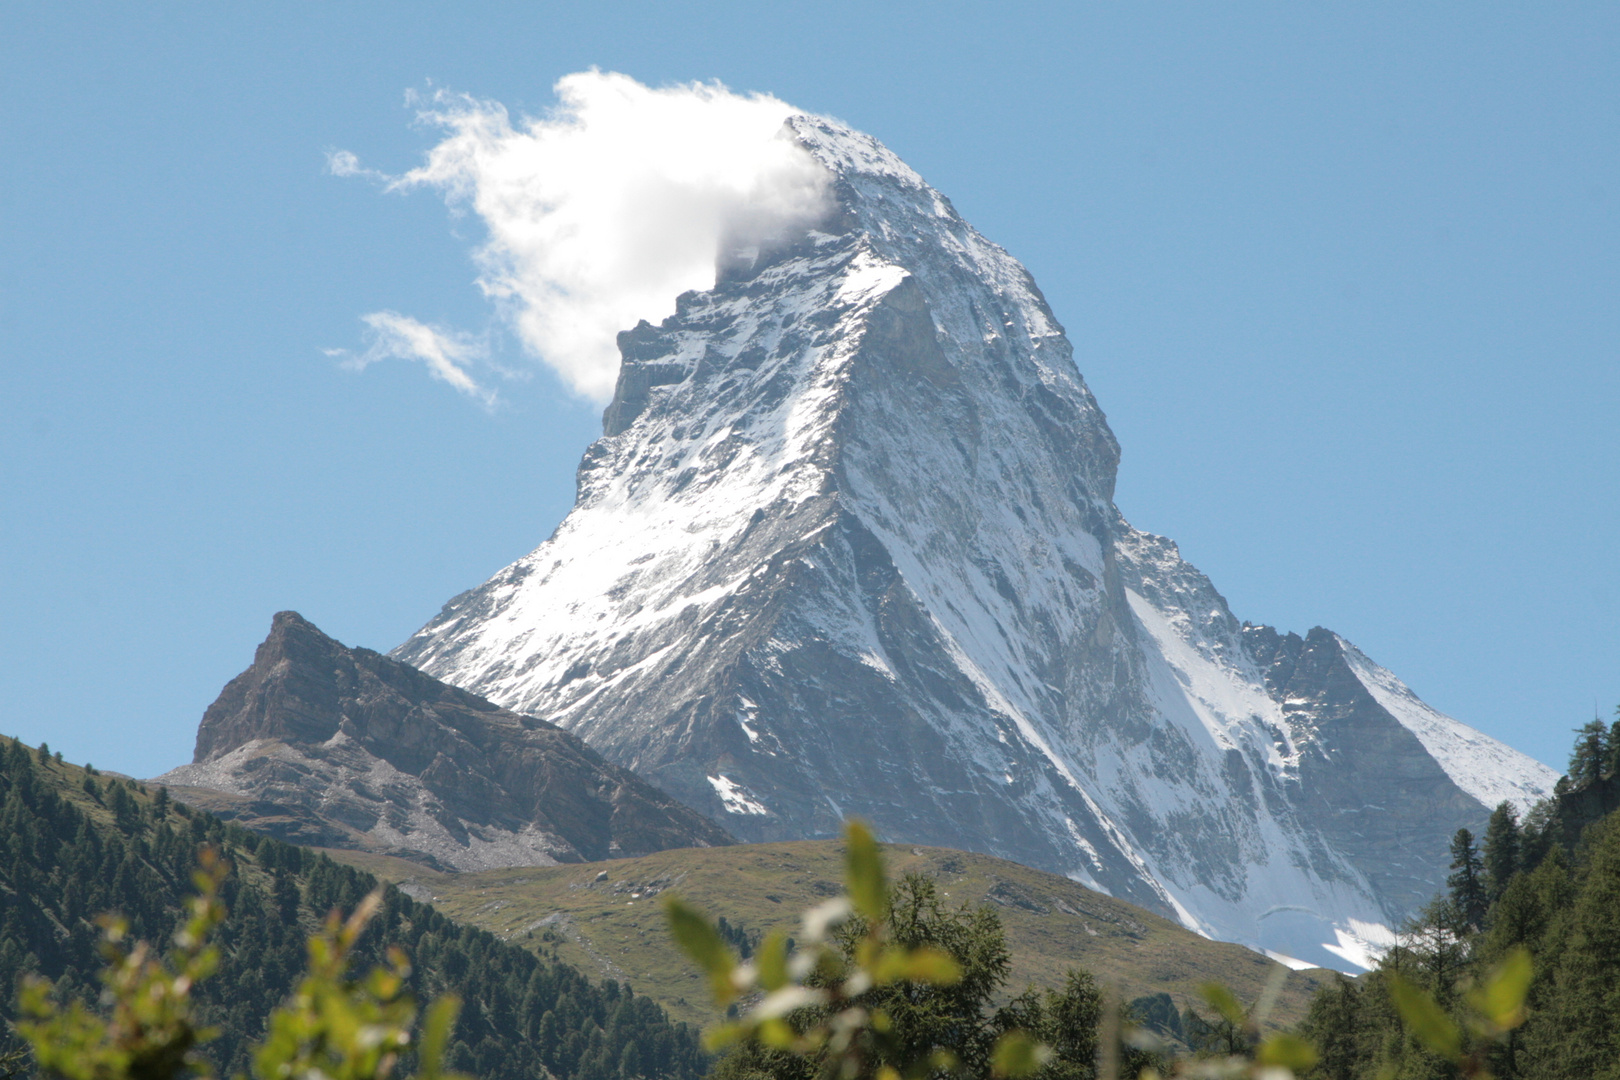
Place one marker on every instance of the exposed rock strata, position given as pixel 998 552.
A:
pixel 326 745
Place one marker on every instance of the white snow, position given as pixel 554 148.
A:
pixel 1490 771
pixel 735 799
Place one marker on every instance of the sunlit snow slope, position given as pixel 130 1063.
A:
pixel 848 547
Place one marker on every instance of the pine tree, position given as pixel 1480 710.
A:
pixel 1334 1026
pixel 1612 765
pixel 1501 850
pixel 1590 755
pixel 1467 880
pixel 1582 1039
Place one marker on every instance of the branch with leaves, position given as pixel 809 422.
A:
pixel 1495 1008
pixel 831 1002
pixel 335 1027
pixel 151 1031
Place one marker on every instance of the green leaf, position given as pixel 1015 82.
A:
pixel 1427 1020
pixel 436 1027
pixel 1224 1002
pixel 1501 999
pixel 1287 1051
pixel 772 959
pixel 1017 1055
pixel 702 942
pixel 934 966
pixel 927 964
pixel 776 1033
pixel 864 869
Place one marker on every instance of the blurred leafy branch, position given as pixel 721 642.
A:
pixel 335 1027
pixel 1495 1007
pixel 844 1005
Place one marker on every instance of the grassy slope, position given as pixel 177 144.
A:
pixel 616 926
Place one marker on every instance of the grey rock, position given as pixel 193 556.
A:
pixel 322 744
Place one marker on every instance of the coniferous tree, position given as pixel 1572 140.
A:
pixel 1580 1036
pixel 1334 1026
pixel 70 854
pixel 1561 906
pixel 1591 753
pixel 1467 880
pixel 1501 855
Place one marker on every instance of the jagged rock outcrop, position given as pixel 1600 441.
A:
pixel 848 547
pixel 327 745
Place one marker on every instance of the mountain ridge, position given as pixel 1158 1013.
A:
pixel 320 743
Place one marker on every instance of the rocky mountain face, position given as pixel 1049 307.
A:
pixel 848 547
pixel 338 747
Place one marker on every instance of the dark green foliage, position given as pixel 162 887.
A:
pixel 523 1016
pixel 737 938
pixel 1591 753
pixel 1157 1013
pixel 1467 880
pixel 1501 856
pixel 1551 886
pixel 1336 1027
pixel 960 1019
pixel 1214 1036
pixel 1067 1022
pixel 1576 1034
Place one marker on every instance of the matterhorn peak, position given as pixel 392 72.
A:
pixel 847 547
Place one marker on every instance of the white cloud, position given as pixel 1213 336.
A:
pixel 602 212
pixel 446 353
pixel 344 163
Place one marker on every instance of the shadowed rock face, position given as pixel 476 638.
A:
pixel 1366 780
pixel 323 744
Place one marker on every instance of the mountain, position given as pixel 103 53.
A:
pixel 322 744
pixel 848 546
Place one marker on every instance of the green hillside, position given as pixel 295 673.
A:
pixel 606 918
pixel 74 844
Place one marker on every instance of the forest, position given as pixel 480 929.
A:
pixel 77 844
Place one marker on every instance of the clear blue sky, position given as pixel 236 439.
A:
pixel 1344 278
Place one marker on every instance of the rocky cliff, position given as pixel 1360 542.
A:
pixel 327 745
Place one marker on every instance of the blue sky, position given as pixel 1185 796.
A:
pixel 1343 278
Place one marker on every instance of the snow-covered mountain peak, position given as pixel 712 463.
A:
pixel 848 153
pixel 848 546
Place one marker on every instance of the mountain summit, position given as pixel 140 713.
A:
pixel 848 547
